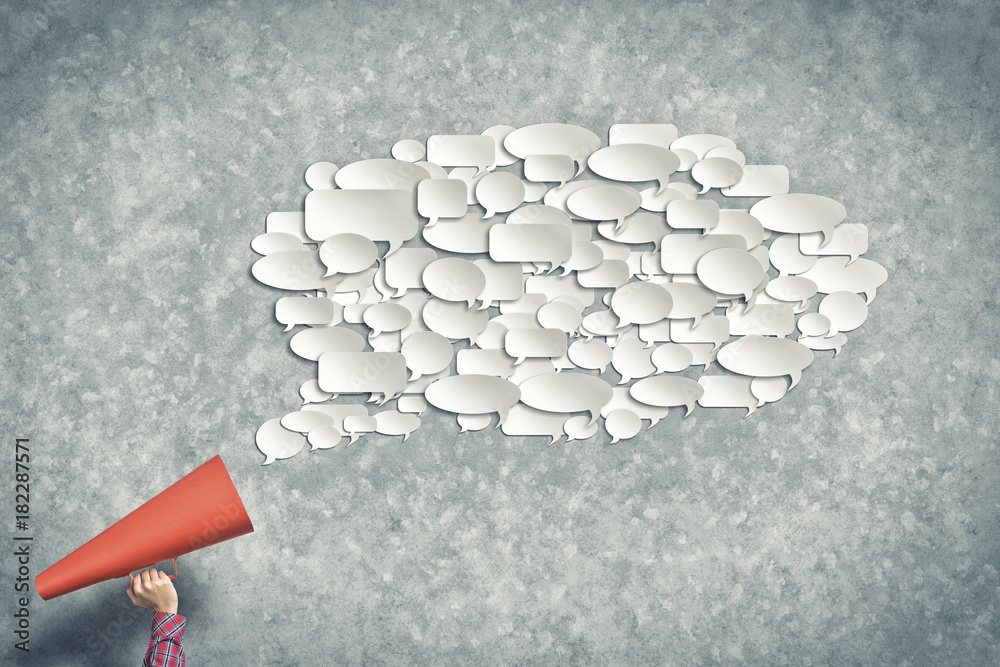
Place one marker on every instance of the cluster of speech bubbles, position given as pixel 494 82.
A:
pixel 536 274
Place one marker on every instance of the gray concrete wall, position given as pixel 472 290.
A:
pixel 853 522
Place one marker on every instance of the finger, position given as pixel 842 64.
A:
pixel 146 578
pixel 137 584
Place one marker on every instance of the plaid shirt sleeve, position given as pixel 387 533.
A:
pixel 165 647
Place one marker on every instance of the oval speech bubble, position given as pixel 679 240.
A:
pixel 380 174
pixel 671 357
pixel 602 202
pixel 321 175
pixel 559 315
pixel 834 274
pixel 474 422
pixel 590 354
pixel 347 253
pixel 566 392
pixel 276 442
pixel 408 150
pixel 387 317
pixel 716 172
pixel 326 436
pixel 622 424
pixel 454 279
pixel 553 139
pixel 273 242
pixel 454 320
pixel 500 192
pixel 667 391
pixel 641 303
pixel 394 422
pixel 635 162
pixel 632 359
pixel 311 343
pixel 760 356
pixel 426 353
pixel 473 394
pixel 730 271
pixel 814 324
pixel 846 311
pixel 800 213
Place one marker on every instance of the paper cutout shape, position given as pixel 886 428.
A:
pixel 684 286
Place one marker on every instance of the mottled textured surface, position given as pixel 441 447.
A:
pixel 853 522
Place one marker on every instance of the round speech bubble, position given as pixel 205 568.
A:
pixel 381 174
pixel 303 421
pixel 426 353
pixel 590 354
pixel 768 390
pixel 320 176
pixel 602 202
pixel 640 227
pixel 553 139
pixel 559 315
pixel 394 422
pixel 641 303
pixel 716 172
pixel 800 213
pixel 387 317
pixel 473 394
pixel 273 242
pixel 347 253
pixel 311 343
pixel 622 424
pixel 474 422
pixel 632 359
pixel 761 356
pixel 585 256
pixel 566 392
pixel 454 320
pixel 408 150
pixel 814 324
pixel 311 393
pixel 730 271
pixel 276 442
pixel 846 311
pixel 454 279
pixel 579 428
pixel 326 436
pixel 635 162
pixel 499 192
pixel 671 357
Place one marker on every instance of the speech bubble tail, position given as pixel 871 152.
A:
pixel 431 222
pixel 373 397
pixel 555 439
pixel 751 299
pixel 827 236
pixel 795 376
pixel 833 332
pixel 464 430
pixel 614 440
pixel 268 460
pixel 625 380
pixel 400 291
pixel 405 436
pixel 869 297
pixel 690 407
pixel 853 259
pixel 289 327
pixel 663 186
pixel 561 183
pixel 580 166
pixel 414 376
pixel 594 414
pixel 837 350
pixel 750 410
pixel 330 271
pixel 566 272
pixel 519 361
pixel 707 188
pixel 354 438
pixel 503 412
pixel 489 214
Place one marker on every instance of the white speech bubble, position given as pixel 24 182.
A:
pixel 791 289
pixel 485 362
pixel 276 442
pixel 311 393
pixel 272 242
pixel 362 372
pixel 312 343
pixel 386 341
pixel 356 426
pixel 454 320
pixel 701 144
pixel 768 390
pixel 387 317
pixel 846 311
pixel 380 174
pixel 326 436
pixel 474 422
pixel 441 198
pixel 553 139
pixel 524 343
pixel 292 310
pixel 763 319
pixel 823 343
pixel 554 287
pixel 727 391
pixel 534 191
pixel 525 420
pixel 585 255
pixel 566 392
pixel 759 356
pixel 700 214
pixel 500 192
pixel 462 150
pixel 635 162
pixel 654 200
pixel 639 227
pixel 347 253
pixel 549 168
pixel 760 180
pixel 741 223
pixel 380 215
pixel 671 357
pixel 591 354
pixel 394 422
pixel 473 394
pixel 454 279
pixel 641 303
pixel 321 175
pixel 688 301
pixel 622 424
pixel 405 269
pixel 579 428
pixel 716 172
pixel 561 316
pixel 408 150
pixel 499 133
pixel 426 353
pixel 530 368
pixel 835 274
pixel 710 329
pixel 609 273
pixel 297 270
pixel 800 214
pixel 814 324
pixel 603 323
pixel 680 253
pixel 603 202
pixel 784 255
pixel 414 404
pixel 667 391
pixel 303 421
pixel 729 153
pixel 632 359
pixel 537 243
pixel 847 239
pixel 730 271
pixel 659 134
pixel 504 282
pixel 288 222
pixel 468 234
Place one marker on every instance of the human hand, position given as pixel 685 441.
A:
pixel 154 590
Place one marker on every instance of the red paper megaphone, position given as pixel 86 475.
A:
pixel 199 510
